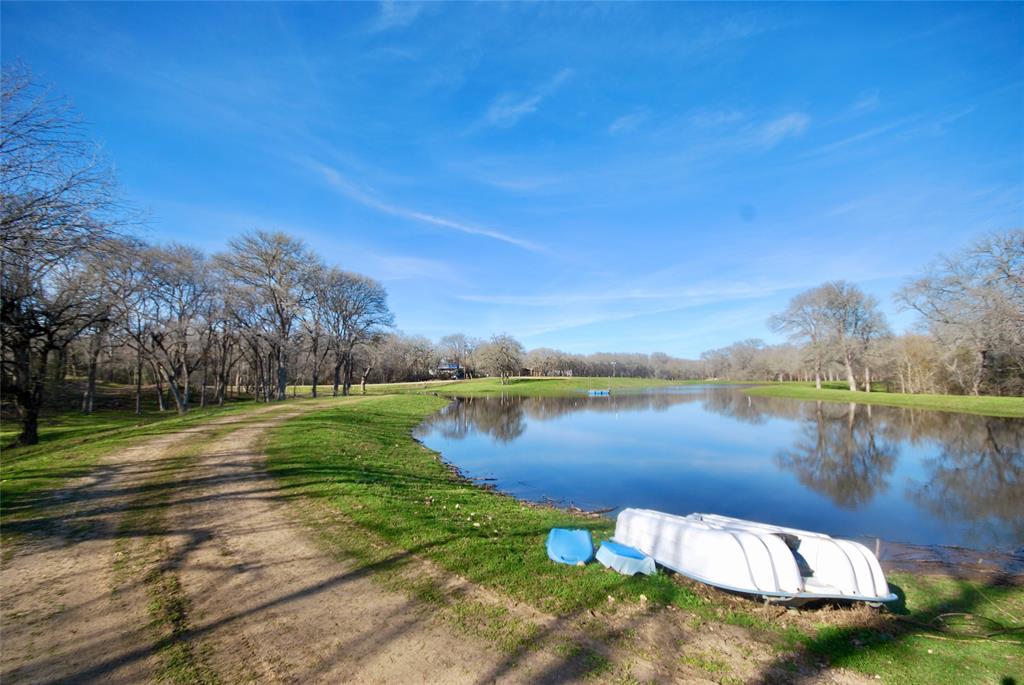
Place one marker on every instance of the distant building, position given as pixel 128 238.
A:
pixel 447 369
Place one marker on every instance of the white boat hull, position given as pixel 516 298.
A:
pixel 785 565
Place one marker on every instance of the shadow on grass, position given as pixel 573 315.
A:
pixel 949 630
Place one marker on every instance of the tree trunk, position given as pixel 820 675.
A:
pixel 187 385
pixel 180 401
pixel 362 380
pixel 138 381
pixel 346 375
pixel 160 392
pixel 60 371
pixel 282 374
pixel 89 396
pixel 28 393
pixel 867 378
pixel 850 379
pixel 337 377
pixel 202 389
pixel 979 374
pixel 316 363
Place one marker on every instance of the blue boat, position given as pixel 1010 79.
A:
pixel 570 546
pixel 625 559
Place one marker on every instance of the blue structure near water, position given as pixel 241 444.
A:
pixel 625 559
pixel 570 546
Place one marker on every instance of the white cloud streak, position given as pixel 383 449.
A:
pixel 508 108
pixel 628 122
pixel 773 132
pixel 349 190
pixel 395 15
pixel 690 296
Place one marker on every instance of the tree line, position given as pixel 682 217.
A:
pixel 81 296
pixel 78 291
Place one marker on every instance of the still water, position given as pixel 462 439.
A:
pixel 919 477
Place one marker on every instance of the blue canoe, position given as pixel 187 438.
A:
pixel 570 546
pixel 625 559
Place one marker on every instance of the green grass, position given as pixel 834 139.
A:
pixel 71 443
pixel 904 652
pixel 833 392
pixel 360 460
pixel 1012 407
pixel 536 387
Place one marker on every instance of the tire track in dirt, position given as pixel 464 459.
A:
pixel 270 605
pixel 62 620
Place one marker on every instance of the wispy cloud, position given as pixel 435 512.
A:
pixel 689 296
pixel 856 138
pixel 905 126
pixel 710 118
pixel 771 133
pixel 866 102
pixel 735 29
pixel 628 122
pixel 337 181
pixel 508 108
pixel 392 267
pixel 396 14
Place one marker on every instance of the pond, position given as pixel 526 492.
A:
pixel 851 470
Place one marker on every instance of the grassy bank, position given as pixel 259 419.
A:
pixel 360 461
pixel 1012 407
pixel 70 445
pixel 534 387
pixel 363 460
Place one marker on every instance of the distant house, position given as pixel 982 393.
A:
pixel 446 369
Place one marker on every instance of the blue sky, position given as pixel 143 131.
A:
pixel 611 177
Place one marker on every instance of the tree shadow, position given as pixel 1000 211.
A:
pixel 893 629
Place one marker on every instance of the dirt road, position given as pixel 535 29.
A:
pixel 264 603
pixel 180 560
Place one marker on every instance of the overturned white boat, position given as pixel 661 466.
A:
pixel 783 565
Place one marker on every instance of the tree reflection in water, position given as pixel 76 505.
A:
pixel 503 417
pixel 500 417
pixel 845 452
pixel 840 456
pixel 978 477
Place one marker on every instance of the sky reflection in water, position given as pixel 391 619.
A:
pixel 851 470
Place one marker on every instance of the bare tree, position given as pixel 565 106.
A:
pixel 458 349
pixel 501 356
pixel 356 313
pixel 975 301
pixel 805 322
pixel 179 300
pixel 852 320
pixel 272 268
pixel 57 204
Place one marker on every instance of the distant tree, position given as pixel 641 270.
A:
pixel 272 270
pixel 355 313
pixel 501 356
pixel 974 301
pixel 805 321
pixel 853 323
pixel 834 321
pixel 178 300
pixel 458 349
